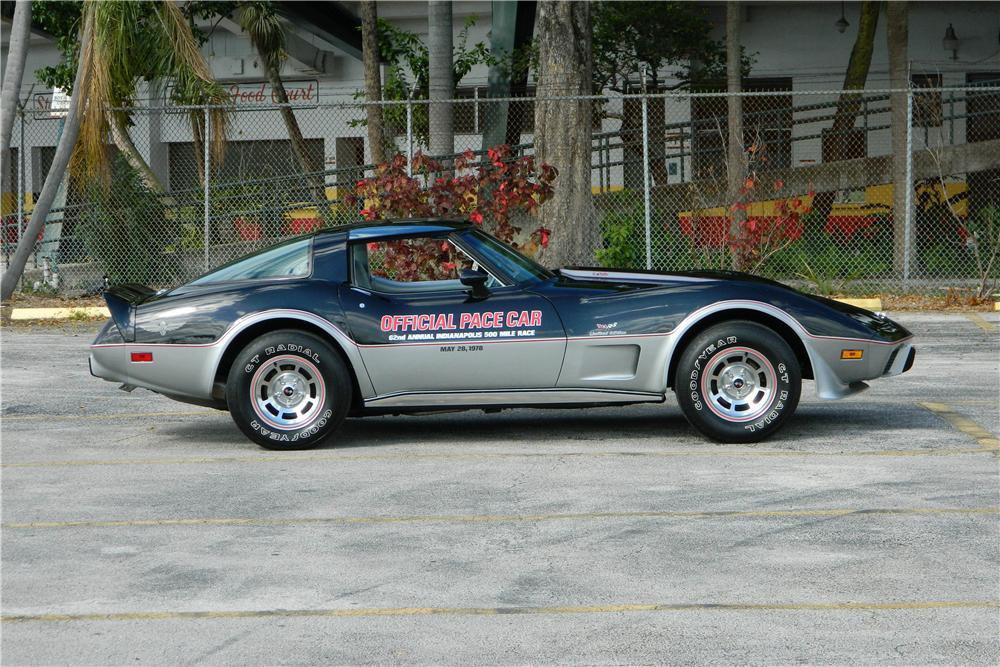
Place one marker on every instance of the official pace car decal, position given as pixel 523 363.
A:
pixel 469 325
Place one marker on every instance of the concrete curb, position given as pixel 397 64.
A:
pixel 869 304
pixel 73 313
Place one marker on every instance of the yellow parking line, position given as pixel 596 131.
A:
pixel 486 456
pixel 904 605
pixel 984 438
pixel 498 518
pixel 981 322
pixel 109 417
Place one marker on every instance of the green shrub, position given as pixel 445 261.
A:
pixel 124 228
pixel 623 231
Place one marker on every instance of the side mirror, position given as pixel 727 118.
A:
pixel 476 280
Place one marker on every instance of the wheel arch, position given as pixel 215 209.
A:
pixel 243 337
pixel 743 314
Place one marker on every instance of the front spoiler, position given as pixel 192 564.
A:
pixel 838 378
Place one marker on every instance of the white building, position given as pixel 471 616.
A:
pixel 797 49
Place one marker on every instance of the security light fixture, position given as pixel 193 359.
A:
pixel 950 42
pixel 841 24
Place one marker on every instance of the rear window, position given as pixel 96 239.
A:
pixel 288 260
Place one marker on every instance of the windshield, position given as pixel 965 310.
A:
pixel 504 258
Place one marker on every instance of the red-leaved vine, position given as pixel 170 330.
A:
pixel 488 193
pixel 762 236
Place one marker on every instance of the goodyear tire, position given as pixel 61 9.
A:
pixel 738 382
pixel 288 390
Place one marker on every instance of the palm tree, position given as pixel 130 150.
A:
pixel 122 43
pixel 261 23
pixel 441 78
pixel 135 42
pixel 67 140
pixel 897 39
pixel 562 130
pixel 735 167
pixel 373 80
pixel 17 53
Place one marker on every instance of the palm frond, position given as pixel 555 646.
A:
pixel 131 42
pixel 90 155
pixel 193 81
pixel 261 23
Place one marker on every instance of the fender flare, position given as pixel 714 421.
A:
pixel 339 337
pixel 828 385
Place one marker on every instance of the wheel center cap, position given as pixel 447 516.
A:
pixel 736 382
pixel 288 390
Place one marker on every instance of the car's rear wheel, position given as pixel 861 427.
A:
pixel 738 382
pixel 288 390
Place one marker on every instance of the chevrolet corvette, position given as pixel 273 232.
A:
pixel 417 316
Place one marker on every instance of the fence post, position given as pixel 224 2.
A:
pixel 951 117
pixel 409 131
pixel 207 175
pixel 908 220
pixel 645 172
pixel 20 177
pixel 475 109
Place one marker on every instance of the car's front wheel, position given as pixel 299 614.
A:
pixel 738 382
pixel 288 390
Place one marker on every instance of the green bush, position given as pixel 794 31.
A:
pixel 623 231
pixel 824 258
pixel 124 228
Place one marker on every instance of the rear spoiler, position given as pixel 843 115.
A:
pixel 122 301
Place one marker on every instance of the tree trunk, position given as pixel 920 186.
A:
pixel 897 37
pixel 316 185
pixel 563 129
pixel 123 142
pixel 735 167
pixel 20 31
pixel 67 141
pixel 849 104
pixel 441 81
pixel 373 80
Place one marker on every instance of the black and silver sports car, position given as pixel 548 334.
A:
pixel 429 315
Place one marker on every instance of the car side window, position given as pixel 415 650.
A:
pixel 423 264
pixel 288 260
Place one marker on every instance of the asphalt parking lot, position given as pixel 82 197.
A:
pixel 139 530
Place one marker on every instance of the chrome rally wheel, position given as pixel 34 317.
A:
pixel 739 384
pixel 288 392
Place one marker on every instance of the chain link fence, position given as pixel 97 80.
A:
pixel 808 197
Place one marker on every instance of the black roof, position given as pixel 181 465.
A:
pixel 376 228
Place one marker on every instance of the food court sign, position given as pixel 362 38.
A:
pixel 302 94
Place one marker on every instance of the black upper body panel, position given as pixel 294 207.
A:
pixel 645 303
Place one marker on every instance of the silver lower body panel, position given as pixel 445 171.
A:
pixel 509 397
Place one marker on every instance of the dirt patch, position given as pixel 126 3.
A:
pixel 21 300
pixel 949 302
